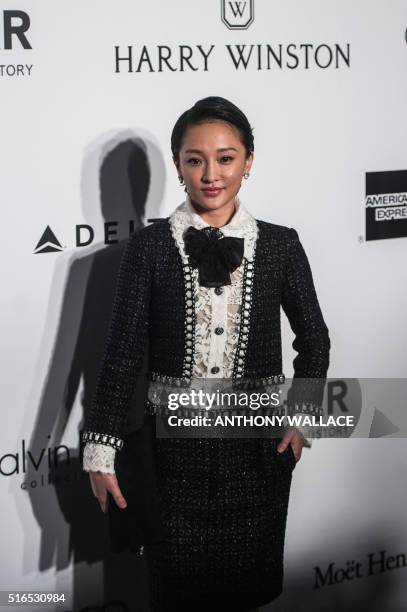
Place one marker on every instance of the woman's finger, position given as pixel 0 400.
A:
pixel 286 440
pixel 115 491
pixel 297 449
pixel 93 484
pixel 282 446
pixel 297 444
pixel 104 501
pixel 99 483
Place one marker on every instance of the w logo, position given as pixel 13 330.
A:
pixel 237 14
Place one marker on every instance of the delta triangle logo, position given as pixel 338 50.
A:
pixel 48 243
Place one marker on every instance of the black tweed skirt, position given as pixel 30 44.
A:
pixel 224 502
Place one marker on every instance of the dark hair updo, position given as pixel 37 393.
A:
pixel 213 107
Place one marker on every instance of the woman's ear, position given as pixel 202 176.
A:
pixel 249 162
pixel 176 164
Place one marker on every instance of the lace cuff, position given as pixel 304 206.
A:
pixel 98 457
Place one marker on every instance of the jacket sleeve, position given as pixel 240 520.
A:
pixel 312 342
pixel 124 347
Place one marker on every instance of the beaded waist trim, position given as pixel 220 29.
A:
pixel 187 411
pixel 243 383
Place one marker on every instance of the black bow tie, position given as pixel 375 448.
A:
pixel 214 255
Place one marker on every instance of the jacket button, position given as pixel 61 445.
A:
pixel 219 330
pixel 218 290
pixel 215 370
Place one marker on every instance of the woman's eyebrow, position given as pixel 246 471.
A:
pixel 221 149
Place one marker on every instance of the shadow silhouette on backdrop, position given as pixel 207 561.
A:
pixel 117 178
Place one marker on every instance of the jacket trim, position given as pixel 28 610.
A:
pixel 239 362
pixel 99 438
pixel 189 345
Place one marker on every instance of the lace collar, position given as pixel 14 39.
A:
pixel 242 225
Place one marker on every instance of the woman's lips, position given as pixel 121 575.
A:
pixel 212 192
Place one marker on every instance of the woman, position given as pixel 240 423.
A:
pixel 204 287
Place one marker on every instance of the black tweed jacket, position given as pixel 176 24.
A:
pixel 154 303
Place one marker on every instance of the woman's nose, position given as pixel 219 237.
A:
pixel 210 173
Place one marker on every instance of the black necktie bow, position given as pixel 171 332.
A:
pixel 215 256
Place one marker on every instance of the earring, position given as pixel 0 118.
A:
pixel 181 180
pixel 246 175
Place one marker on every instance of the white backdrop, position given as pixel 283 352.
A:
pixel 69 124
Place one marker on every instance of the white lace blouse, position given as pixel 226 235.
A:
pixel 217 311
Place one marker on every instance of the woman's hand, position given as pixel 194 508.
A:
pixel 102 484
pixel 296 439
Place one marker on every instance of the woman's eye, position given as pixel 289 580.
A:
pixel 194 161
